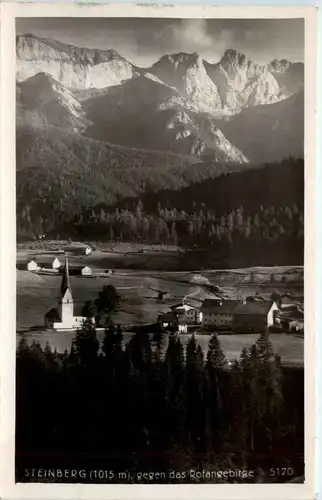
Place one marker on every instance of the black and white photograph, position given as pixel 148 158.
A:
pixel 160 230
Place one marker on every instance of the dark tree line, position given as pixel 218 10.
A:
pixel 240 209
pixel 153 406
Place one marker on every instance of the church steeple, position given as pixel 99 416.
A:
pixel 65 285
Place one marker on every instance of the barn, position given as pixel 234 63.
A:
pixel 254 316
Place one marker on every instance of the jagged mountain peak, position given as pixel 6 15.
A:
pixel 180 58
pixel 231 55
pixel 237 60
pixel 279 65
pixel 74 67
pixel 95 56
pixel 243 83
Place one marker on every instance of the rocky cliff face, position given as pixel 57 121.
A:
pixel 73 67
pixel 242 83
pixel 187 74
pixel 232 111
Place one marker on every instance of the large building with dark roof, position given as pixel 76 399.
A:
pixel 218 313
pixel 238 315
pixel 254 316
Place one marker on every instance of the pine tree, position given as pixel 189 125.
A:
pixel 195 400
pixel 86 345
pixel 215 371
pixel 174 372
pixel 270 381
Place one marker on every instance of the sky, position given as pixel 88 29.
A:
pixel 144 41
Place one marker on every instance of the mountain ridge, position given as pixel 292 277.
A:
pixel 247 83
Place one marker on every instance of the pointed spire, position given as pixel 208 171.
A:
pixel 66 281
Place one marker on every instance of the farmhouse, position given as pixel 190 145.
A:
pixel 187 313
pixel 239 316
pixel 254 316
pixel 66 315
pixel 32 265
pixel 217 312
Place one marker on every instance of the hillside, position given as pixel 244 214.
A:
pixel 243 218
pixel 65 172
pixel 269 133
pixel 139 116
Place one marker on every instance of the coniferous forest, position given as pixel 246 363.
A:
pixel 251 217
pixel 146 408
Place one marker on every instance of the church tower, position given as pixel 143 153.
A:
pixel 66 303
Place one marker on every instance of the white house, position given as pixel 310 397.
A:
pixel 32 265
pixel 187 313
pixel 86 271
pixel 56 263
pixel 218 312
pixel 64 317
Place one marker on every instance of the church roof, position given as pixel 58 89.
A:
pixel 66 280
pixel 53 315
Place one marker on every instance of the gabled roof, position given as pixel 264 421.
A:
pixel 220 307
pixel 53 315
pixel 185 307
pixel 254 307
pixel 210 303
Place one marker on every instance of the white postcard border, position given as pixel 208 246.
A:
pixel 10 490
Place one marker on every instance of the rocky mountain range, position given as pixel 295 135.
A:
pixel 229 111
pixel 73 102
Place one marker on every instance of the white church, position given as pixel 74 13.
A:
pixel 67 315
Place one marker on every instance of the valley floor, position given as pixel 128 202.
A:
pixel 37 294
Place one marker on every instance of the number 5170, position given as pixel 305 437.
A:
pixel 282 471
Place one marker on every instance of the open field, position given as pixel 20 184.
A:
pixel 139 304
pixel 37 294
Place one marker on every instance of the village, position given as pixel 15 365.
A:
pixel 280 313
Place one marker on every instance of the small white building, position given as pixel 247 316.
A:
pixel 32 265
pixel 56 263
pixel 86 271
